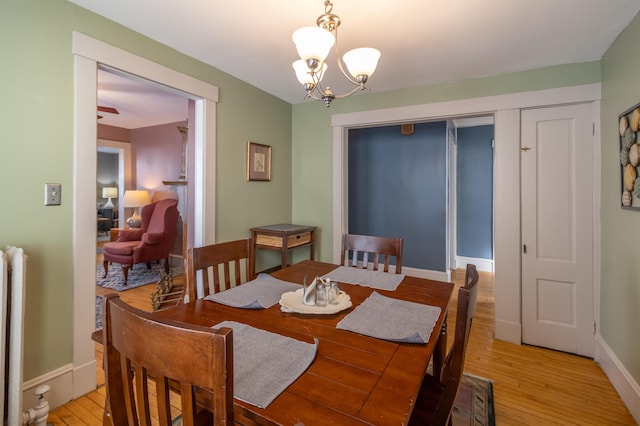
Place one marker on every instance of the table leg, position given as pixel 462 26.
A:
pixel 285 249
pixel 440 352
pixel 312 246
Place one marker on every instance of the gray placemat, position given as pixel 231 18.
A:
pixel 364 277
pixel 260 293
pixel 264 363
pixel 392 319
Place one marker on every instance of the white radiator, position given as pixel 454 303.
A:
pixel 12 297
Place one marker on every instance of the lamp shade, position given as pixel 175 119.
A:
pixel 136 198
pixel 361 61
pixel 303 73
pixel 313 43
pixel 109 192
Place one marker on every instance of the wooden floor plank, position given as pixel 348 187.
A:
pixel 92 408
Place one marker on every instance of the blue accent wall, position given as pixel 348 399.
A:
pixel 397 188
pixel 474 187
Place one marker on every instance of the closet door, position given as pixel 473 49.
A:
pixel 557 228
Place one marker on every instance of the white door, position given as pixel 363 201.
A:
pixel 557 228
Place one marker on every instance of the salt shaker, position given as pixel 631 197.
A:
pixel 321 294
pixel 333 292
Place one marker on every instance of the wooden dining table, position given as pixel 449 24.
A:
pixel 354 379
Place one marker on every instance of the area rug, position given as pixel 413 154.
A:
pixel 474 402
pixel 98 312
pixel 139 275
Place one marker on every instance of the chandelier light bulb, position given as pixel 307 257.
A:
pixel 313 43
pixel 361 61
pixel 307 76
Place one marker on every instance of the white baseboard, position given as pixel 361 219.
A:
pixel 60 383
pixel 84 379
pixel 619 377
pixel 65 384
pixel 508 331
pixel 483 265
pixel 426 274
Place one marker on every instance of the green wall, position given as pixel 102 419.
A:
pixel 36 90
pixel 313 137
pixel 620 275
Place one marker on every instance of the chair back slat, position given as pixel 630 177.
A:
pixel 231 263
pixel 142 388
pixel 188 403
pixel 140 347
pixel 361 250
pixel 164 401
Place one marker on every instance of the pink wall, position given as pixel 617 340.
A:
pixel 157 155
pixel 113 133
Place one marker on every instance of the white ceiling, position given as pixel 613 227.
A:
pixel 422 41
pixel 139 103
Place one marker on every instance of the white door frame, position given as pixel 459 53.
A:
pixel 452 193
pixel 88 54
pixel 506 110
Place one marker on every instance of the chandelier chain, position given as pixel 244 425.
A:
pixel 328 6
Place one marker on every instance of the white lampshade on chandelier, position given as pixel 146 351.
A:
pixel 313 45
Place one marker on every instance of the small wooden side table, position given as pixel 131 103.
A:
pixel 114 232
pixel 283 237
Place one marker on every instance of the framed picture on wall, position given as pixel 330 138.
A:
pixel 629 124
pixel 258 162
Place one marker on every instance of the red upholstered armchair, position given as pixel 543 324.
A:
pixel 152 241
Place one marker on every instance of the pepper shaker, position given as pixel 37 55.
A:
pixel 333 293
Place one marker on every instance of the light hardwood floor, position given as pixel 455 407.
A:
pixel 532 386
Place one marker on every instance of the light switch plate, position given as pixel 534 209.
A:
pixel 52 194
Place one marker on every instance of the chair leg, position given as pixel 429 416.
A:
pixel 105 265
pixel 125 272
pixel 166 265
pixel 148 265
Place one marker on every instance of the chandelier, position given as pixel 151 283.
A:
pixel 313 45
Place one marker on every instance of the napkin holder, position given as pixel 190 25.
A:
pixel 309 293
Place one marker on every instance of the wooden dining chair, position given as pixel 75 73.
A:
pixel 139 347
pixel 360 250
pixel 221 262
pixel 438 394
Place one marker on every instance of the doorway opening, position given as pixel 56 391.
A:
pixel 431 185
pixel 117 174
pixel 89 55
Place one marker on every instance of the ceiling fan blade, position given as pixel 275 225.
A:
pixel 110 110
